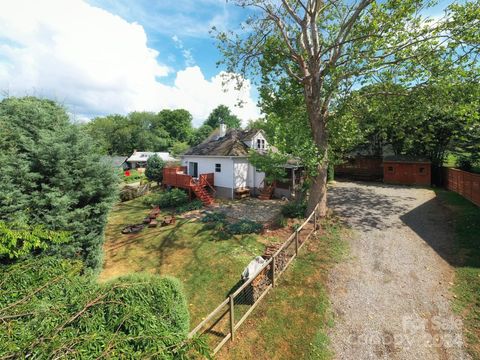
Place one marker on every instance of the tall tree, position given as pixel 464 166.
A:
pixel 52 175
pixel 326 46
pixel 223 114
pixel 177 123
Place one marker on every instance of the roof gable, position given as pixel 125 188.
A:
pixel 232 144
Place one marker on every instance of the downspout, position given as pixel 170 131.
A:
pixel 233 179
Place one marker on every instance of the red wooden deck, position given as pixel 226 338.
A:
pixel 178 177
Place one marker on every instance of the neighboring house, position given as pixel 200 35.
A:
pixel 139 158
pixel 224 157
pixel 117 162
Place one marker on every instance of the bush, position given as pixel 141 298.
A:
pixel 134 177
pixel 172 198
pixel 68 315
pixel 192 205
pixel 214 217
pixel 294 210
pixel 244 227
pixel 154 171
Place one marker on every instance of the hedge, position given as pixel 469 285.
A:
pixel 48 309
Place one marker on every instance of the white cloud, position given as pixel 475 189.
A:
pixel 98 63
pixel 187 54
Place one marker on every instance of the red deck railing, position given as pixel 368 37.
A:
pixel 178 177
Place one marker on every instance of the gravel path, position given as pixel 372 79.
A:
pixel 390 297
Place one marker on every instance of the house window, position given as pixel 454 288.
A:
pixel 263 144
pixel 421 170
pixel 259 142
pixel 218 167
pixel 390 169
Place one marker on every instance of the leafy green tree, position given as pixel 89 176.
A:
pixel 271 163
pixel 177 123
pixel 120 135
pixel 286 124
pixel 202 133
pixel 223 114
pixel 179 148
pixel 52 175
pixel 326 47
pixel 154 170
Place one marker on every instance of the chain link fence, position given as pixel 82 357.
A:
pixel 221 324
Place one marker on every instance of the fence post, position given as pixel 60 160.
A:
pixel 296 242
pixel 315 221
pixel 232 318
pixel 273 271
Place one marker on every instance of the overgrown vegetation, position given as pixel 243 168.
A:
pixel 244 227
pixel 18 240
pixel 49 309
pixel 218 221
pixel 53 176
pixel 131 176
pixel 294 209
pixel 168 199
pixel 293 320
pixel 467 262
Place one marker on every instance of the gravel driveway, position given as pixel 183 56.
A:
pixel 391 297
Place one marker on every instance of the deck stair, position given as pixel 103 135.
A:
pixel 202 193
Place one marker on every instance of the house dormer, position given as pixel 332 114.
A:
pixel 259 142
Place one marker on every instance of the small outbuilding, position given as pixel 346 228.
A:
pixel 405 170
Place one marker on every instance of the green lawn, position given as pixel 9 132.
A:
pixel 293 320
pixel 208 265
pixel 466 217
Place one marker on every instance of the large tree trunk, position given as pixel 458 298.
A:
pixel 318 187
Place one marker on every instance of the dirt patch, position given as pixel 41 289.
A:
pixel 391 299
pixel 262 211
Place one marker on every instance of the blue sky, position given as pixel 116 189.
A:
pixel 100 57
pixel 187 21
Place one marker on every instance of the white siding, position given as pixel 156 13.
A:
pixel 241 173
pixel 258 136
pixel 255 177
pixel 207 165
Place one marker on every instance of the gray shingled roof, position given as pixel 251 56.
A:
pixel 232 144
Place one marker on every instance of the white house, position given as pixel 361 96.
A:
pixel 225 154
pixel 139 158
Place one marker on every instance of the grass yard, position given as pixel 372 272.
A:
pixel 208 265
pixel 466 217
pixel 292 321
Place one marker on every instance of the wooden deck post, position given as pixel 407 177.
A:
pixel 232 319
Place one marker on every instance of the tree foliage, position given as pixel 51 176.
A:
pixel 223 114
pixel 53 176
pixel 49 310
pixel 17 240
pixel 154 170
pixel 427 120
pixel 271 163
pixel 142 131
pixel 327 47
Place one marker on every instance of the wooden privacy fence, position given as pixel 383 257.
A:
pixel 221 324
pixel 464 183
